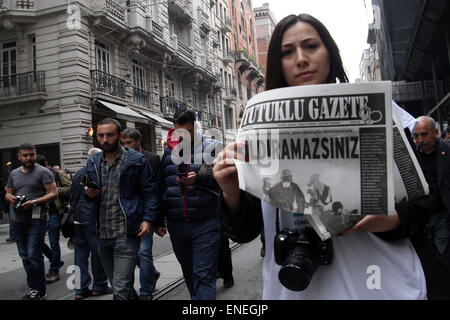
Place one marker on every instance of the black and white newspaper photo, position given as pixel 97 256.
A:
pixel 321 150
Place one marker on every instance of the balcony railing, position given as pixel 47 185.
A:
pixel 25 4
pixel 411 91
pixel 215 121
pixel 22 84
pixel 203 17
pixel 157 29
pixel 226 25
pixel 228 56
pixel 185 50
pixel 112 8
pixel 170 105
pixel 141 97
pixel 230 93
pixel 181 10
pixel 104 82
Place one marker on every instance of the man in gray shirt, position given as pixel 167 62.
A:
pixel 37 184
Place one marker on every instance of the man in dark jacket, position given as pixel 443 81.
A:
pixel 189 203
pixel 124 192
pixel 148 275
pixel 86 240
pixel 435 159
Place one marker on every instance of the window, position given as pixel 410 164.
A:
pixel 228 118
pixel 102 58
pixel 194 99
pixel 9 59
pixel 139 74
pixel 33 54
pixel 150 8
pixel 170 87
pixel 210 105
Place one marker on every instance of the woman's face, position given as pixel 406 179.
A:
pixel 304 57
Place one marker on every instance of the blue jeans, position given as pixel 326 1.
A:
pixel 118 257
pixel 30 238
pixel 54 230
pixel 196 246
pixel 85 244
pixel 440 230
pixel 147 271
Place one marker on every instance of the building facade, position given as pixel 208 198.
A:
pixel 65 66
pixel 265 23
pixel 410 39
pixel 249 75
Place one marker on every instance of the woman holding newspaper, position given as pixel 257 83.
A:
pixel 372 260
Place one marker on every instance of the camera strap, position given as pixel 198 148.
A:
pixel 277 222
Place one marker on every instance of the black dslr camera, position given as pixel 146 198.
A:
pixel 299 253
pixel 21 199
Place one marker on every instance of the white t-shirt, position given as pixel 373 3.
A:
pixel 358 259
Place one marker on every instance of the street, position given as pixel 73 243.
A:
pixel 247 264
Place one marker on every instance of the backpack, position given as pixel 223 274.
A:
pixel 67 224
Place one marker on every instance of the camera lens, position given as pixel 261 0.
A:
pixel 298 269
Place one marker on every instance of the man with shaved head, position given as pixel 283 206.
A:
pixel 435 157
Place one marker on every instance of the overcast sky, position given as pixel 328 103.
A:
pixel 346 20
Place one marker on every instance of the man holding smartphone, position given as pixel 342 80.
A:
pixel 148 275
pixel 190 195
pixel 125 204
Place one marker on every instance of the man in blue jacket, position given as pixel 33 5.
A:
pixel 190 204
pixel 86 240
pixel 123 189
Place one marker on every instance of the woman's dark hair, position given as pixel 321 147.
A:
pixel 274 73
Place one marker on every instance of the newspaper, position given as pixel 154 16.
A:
pixel 409 182
pixel 324 151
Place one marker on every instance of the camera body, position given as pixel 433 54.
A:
pixel 21 199
pixel 299 253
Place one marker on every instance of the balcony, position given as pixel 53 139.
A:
pixel 230 94
pixel 105 83
pixel 185 50
pixel 170 105
pixel 228 56
pixel 215 39
pixel 226 25
pixel 141 97
pixel 242 60
pixel 214 121
pixel 17 12
pixel 203 18
pixel 25 4
pixel 157 30
pixel 110 13
pixel 180 10
pixel 23 87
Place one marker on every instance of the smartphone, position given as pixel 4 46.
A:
pixel 92 185
pixel 182 174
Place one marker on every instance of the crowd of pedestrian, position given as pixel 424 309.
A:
pixel 124 195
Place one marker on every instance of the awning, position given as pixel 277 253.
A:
pixel 162 121
pixel 121 110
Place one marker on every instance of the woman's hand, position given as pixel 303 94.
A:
pixel 375 224
pixel 225 173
